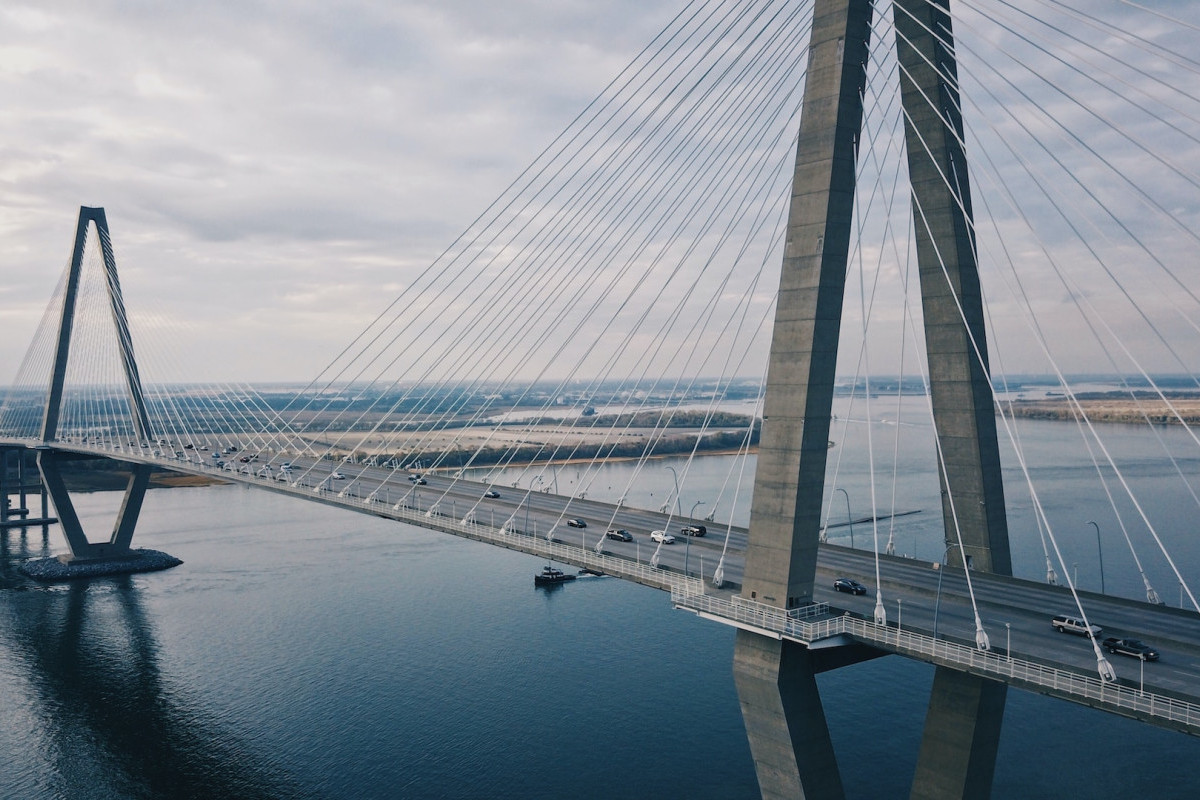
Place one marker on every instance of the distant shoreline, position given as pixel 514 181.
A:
pixel 1112 407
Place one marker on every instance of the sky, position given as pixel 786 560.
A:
pixel 275 172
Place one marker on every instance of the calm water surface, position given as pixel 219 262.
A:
pixel 302 651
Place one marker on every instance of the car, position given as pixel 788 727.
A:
pixel 575 522
pixel 662 536
pixel 1064 623
pixel 849 585
pixel 693 530
pixel 336 476
pixel 491 493
pixel 620 535
pixel 420 482
pixel 1130 647
pixel 414 478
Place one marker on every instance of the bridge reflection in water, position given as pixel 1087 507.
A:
pixel 108 720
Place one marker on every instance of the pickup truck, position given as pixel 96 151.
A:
pixel 1130 647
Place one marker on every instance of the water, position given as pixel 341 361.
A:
pixel 303 651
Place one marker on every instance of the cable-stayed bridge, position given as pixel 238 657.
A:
pixel 626 280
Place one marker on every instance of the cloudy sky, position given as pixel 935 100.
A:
pixel 274 171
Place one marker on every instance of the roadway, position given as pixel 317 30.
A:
pixel 1012 610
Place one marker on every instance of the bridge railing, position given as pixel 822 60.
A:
pixel 586 557
pixel 637 571
pixel 806 625
pixel 776 621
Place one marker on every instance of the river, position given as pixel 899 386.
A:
pixel 302 651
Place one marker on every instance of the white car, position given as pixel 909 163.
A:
pixel 337 476
pixel 662 536
pixel 1064 623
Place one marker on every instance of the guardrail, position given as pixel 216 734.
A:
pixel 804 625
pixel 636 571
pixel 1086 689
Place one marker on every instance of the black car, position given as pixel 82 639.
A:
pixel 849 585
pixel 620 535
pixel 576 523
pixel 1131 647
pixel 491 493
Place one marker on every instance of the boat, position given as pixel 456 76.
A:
pixel 550 576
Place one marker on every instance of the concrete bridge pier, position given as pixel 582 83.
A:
pixel 785 722
pixel 962 734
pixel 15 478
pixel 117 546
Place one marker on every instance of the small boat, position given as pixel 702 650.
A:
pixel 550 576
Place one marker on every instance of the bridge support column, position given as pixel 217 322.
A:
pixel 114 556
pixel 962 727
pixel 775 680
pixel 962 732
pixel 117 547
pixel 785 722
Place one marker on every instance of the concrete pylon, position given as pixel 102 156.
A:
pixel 784 719
pixel 962 726
pixel 118 544
pixel 776 685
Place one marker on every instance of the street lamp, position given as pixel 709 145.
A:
pixel 1100 552
pixel 1008 640
pixel 849 519
pixel 687 546
pixel 941 571
pixel 676 477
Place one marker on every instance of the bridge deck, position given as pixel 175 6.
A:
pixel 937 623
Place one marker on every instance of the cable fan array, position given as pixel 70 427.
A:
pixel 616 299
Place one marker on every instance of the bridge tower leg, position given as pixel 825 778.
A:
pixel 776 680
pixel 47 457
pixel 962 727
pixel 776 687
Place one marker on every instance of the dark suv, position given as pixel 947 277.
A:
pixel 693 530
pixel 620 535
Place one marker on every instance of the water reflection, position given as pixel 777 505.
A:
pixel 110 725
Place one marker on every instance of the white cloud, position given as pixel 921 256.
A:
pixel 249 152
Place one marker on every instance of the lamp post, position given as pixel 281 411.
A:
pixel 687 546
pixel 941 571
pixel 1008 640
pixel 676 477
pixel 899 617
pixel 849 519
pixel 1100 552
